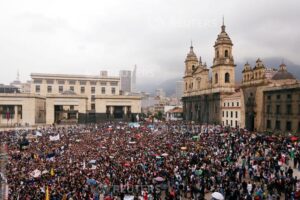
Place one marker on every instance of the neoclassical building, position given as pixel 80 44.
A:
pixel 68 98
pixel 270 98
pixel 203 94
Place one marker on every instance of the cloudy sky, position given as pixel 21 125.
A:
pixel 84 37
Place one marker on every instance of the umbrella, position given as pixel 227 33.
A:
pixel 132 142
pixel 196 137
pixel 198 172
pixel 217 195
pixel 164 154
pixel 92 161
pixel 91 182
pixel 294 138
pixel 127 164
pixel 158 157
pixel 159 179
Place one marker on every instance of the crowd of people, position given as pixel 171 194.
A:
pixel 166 160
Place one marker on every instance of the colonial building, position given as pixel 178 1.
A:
pixel 203 94
pixel 231 110
pixel 65 98
pixel 270 98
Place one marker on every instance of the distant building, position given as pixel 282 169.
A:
pixel 179 89
pixel 133 86
pixel 160 93
pixel 125 76
pixel 174 113
pixel 8 89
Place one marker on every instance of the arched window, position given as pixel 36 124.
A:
pixel 227 78
pixel 216 78
pixel 217 54
pixel 193 67
pixel 192 85
pixel 226 53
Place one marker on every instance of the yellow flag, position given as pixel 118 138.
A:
pixel 47 194
pixel 52 172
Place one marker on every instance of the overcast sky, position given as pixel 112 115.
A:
pixel 85 37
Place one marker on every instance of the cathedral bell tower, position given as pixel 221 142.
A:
pixel 223 69
pixel 191 63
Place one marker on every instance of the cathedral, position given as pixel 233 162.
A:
pixel 267 99
pixel 203 94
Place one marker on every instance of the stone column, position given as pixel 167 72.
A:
pixel 16 114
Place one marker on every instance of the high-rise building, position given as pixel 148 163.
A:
pixel 133 86
pixel 125 77
pixel 179 89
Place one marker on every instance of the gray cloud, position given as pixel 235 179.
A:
pixel 86 37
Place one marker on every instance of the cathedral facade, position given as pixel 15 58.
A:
pixel 203 93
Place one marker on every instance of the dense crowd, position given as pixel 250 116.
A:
pixel 169 160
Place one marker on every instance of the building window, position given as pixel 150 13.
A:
pixel 103 90
pixel 226 122
pixel 231 114
pixel 289 96
pixel 72 107
pixel 93 90
pixel 223 113
pixel 82 90
pixel 218 54
pixel 226 53
pixel 277 125
pixel 231 123
pixel 268 109
pixel 277 109
pixel 227 78
pixel 268 124
pixel 82 82
pixel 237 104
pixel 72 88
pixel 49 81
pixel 223 123
pixel 289 109
pixel 60 89
pixel 114 83
pixel 103 83
pixel 224 104
pixel 288 126
pixel 93 106
pixel 278 97
pixel 37 88
pixel 236 114
pixel 269 97
pixel 93 98
pixel 226 113
pixel 49 89
pixel 216 78
pixel 37 81
pixel 93 82
pixel 72 82
pixel 232 104
pixel 236 123
pixel 113 90
pixel 228 104
pixel 61 82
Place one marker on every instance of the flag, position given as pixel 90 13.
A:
pixel 7 115
pixel 47 197
pixel 52 172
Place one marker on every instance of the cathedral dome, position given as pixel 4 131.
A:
pixel 191 56
pixel 282 73
pixel 223 37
